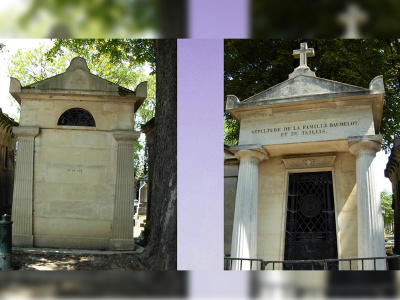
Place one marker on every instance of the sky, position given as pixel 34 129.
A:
pixel 12 45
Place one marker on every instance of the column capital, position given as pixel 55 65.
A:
pixel 365 145
pixel 243 154
pixel 26 131
pixel 126 135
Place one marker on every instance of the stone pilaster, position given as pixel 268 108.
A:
pixel 23 187
pixel 244 236
pixel 122 226
pixel 371 242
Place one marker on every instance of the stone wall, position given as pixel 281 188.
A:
pixel 230 184
pixel 271 213
pixel 7 168
pixel 272 203
pixel 74 172
pixel 345 189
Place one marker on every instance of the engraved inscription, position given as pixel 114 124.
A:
pixel 75 170
pixel 298 130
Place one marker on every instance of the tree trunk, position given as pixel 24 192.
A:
pixel 161 250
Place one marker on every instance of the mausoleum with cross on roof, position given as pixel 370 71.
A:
pixel 305 187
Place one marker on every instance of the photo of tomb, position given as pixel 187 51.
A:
pixel 299 184
pixel 74 185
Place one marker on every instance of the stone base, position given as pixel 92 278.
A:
pixel 122 244
pixel 22 240
pixel 71 242
pixel 302 71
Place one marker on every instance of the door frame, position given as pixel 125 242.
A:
pixel 329 167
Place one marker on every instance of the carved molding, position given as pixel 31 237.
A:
pixel 365 147
pixel 26 131
pixel 126 135
pixel 309 162
pixel 246 154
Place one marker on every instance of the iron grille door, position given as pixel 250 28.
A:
pixel 310 223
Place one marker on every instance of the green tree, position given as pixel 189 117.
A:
pixel 252 66
pixel 161 250
pixel 386 201
pixel 127 70
pixel 81 19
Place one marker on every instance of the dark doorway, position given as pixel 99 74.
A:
pixel 310 223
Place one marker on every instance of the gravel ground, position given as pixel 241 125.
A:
pixel 51 261
pixel 65 260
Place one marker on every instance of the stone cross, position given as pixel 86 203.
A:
pixel 352 18
pixel 303 53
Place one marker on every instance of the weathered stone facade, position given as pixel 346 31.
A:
pixel 74 183
pixel 308 125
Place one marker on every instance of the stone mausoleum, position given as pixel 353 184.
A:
pixel 305 185
pixel 7 162
pixel 74 181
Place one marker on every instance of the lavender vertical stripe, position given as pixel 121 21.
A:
pixel 200 155
pixel 219 18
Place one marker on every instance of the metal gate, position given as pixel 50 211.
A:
pixel 310 223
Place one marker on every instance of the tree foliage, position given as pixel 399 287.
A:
pixel 252 66
pixel 80 18
pixel 386 201
pixel 136 52
pixel 115 60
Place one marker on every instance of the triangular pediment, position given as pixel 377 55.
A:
pixel 76 82
pixel 305 92
pixel 78 78
pixel 305 87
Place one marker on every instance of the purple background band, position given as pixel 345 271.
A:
pixel 200 152
pixel 218 18
pixel 200 155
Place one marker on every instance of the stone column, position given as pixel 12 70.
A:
pixel 23 187
pixel 244 236
pixel 371 241
pixel 122 225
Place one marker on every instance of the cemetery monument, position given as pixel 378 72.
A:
pixel 305 186
pixel 74 183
